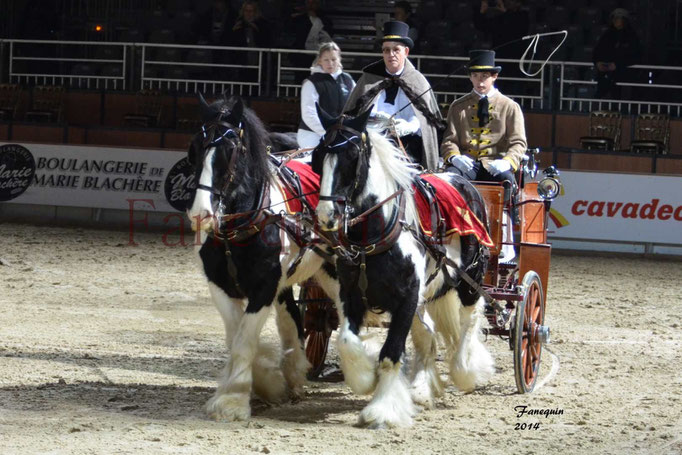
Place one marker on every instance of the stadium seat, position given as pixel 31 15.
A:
pixel 168 54
pixel 589 18
pixel 47 105
pixel 604 131
pixel 652 134
pixel 188 118
pixel 163 35
pixel 9 101
pixel 147 109
pixel 557 18
pixel 131 35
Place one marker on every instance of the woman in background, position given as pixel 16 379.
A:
pixel 327 85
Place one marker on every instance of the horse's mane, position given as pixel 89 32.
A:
pixel 397 169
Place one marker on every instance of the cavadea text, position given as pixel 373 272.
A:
pixel 653 210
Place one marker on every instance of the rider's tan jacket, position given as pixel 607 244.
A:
pixel 503 137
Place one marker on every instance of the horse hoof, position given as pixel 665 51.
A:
pixel 385 415
pixel 422 398
pixel 296 394
pixel 229 407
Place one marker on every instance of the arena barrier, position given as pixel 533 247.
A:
pixel 560 85
pixel 141 188
pixel 618 212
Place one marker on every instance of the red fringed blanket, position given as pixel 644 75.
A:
pixel 454 209
pixel 310 185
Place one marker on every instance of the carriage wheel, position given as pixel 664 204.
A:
pixel 319 322
pixel 529 333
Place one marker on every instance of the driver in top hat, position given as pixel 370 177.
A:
pixel 485 137
pixel 401 97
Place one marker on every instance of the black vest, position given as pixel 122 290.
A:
pixel 333 93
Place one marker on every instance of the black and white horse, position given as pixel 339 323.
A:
pixel 246 266
pixel 359 169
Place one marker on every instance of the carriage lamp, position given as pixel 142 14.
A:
pixel 550 186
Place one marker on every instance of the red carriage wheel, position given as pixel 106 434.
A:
pixel 319 322
pixel 529 333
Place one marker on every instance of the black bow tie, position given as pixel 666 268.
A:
pixel 392 90
pixel 483 114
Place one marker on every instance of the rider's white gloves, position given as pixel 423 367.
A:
pixel 382 118
pixel 499 166
pixel 462 162
pixel 403 127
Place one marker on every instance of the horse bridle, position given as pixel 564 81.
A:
pixel 363 148
pixel 209 131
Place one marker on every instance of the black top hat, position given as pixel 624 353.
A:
pixel 397 31
pixel 482 60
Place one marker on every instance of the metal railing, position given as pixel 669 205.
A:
pixel 446 75
pixel 640 94
pixel 559 86
pixel 209 69
pixel 78 64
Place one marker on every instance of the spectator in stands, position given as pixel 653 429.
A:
pixel 485 138
pixel 311 29
pixel 251 29
pixel 616 49
pixel 402 11
pixel 215 25
pixel 505 23
pixel 400 97
pixel 327 85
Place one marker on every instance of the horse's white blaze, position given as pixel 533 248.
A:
pixel 325 209
pixel 391 405
pixel 359 370
pixel 201 213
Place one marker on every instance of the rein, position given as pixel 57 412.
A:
pixel 209 131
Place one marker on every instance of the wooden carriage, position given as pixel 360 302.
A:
pixel 516 291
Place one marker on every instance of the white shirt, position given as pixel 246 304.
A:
pixel 401 100
pixel 492 92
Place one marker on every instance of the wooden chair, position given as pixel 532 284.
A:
pixel 9 101
pixel 652 134
pixel 188 117
pixel 47 104
pixel 604 131
pixel 147 109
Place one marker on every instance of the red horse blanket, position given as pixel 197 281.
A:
pixel 310 185
pixel 454 209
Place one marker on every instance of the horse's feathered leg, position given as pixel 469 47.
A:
pixel 295 365
pixel 472 365
pixel 231 310
pixel 392 405
pixel 425 382
pixel 231 399
pixel 359 369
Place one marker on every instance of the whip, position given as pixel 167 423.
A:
pixel 535 38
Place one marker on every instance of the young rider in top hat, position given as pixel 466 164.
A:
pixel 485 137
pixel 401 96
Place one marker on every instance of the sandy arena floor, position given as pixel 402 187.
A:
pixel 109 348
